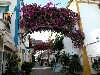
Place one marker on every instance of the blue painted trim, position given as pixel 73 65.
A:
pixel 17 23
pixel 7 9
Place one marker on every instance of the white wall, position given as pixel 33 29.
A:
pixel 11 10
pixel 69 47
pixel 90 18
pixel 27 41
pixel 13 13
pixel 73 6
pixel 26 54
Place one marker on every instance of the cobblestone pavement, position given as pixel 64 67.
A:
pixel 44 71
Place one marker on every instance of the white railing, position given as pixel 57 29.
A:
pixel 3 26
pixel 9 37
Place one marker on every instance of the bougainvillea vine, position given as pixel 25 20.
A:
pixel 42 46
pixel 63 20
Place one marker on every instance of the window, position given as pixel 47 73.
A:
pixel 4 16
pixel 4 9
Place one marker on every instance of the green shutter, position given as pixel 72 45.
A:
pixel 7 9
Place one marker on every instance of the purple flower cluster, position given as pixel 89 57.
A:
pixel 63 20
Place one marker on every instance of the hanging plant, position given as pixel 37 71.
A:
pixel 61 20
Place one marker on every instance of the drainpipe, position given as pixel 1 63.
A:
pixel 17 23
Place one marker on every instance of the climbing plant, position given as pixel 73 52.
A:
pixel 42 46
pixel 62 20
pixel 12 64
pixel 57 43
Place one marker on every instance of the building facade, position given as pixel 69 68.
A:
pixel 7 30
pixel 89 12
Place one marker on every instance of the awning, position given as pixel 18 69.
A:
pixel 4 3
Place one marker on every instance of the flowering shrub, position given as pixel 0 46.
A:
pixel 63 20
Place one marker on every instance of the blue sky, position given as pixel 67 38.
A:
pixel 44 2
pixel 45 35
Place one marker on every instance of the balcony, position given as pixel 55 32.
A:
pixel 5 21
pixel 7 39
pixel 5 30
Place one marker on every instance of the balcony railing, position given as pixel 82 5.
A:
pixel 8 39
pixel 5 21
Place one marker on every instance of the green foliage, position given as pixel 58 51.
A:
pixel 39 58
pixel 96 65
pixel 74 65
pixel 27 67
pixel 12 64
pixel 57 43
pixel 65 59
pixel 71 63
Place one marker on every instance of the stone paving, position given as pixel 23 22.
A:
pixel 38 70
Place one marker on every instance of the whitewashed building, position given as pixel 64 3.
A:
pixel 7 30
pixel 89 12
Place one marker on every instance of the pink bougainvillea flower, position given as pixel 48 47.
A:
pixel 61 20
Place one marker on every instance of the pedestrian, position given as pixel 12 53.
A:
pixel 52 63
pixel 41 62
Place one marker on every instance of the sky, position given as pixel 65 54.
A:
pixel 44 2
pixel 45 35
pixel 41 36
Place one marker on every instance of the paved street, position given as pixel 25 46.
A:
pixel 44 71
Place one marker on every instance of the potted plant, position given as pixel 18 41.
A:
pixel 27 67
pixel 71 64
pixel 75 66
pixel 12 64
pixel 96 65
pixel 57 43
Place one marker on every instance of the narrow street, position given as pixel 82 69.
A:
pixel 38 70
pixel 61 34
